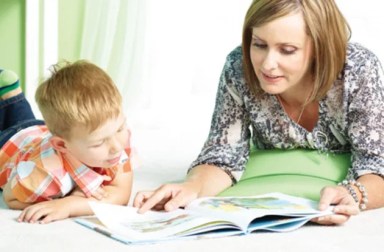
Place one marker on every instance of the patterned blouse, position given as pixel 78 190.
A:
pixel 351 118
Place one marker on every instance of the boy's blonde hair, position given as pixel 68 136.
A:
pixel 77 94
pixel 325 25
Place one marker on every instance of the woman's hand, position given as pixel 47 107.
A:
pixel 203 180
pixel 344 205
pixel 167 197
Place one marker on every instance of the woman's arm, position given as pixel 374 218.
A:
pixel 365 117
pixel 374 185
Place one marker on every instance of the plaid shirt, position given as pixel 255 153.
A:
pixel 38 173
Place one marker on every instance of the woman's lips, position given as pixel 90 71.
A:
pixel 271 78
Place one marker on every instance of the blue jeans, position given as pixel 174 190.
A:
pixel 15 114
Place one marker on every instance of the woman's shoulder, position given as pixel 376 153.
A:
pixel 359 57
pixel 235 54
pixel 234 64
pixel 361 65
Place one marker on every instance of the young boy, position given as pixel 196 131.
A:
pixel 82 153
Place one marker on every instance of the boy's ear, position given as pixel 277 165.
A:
pixel 58 144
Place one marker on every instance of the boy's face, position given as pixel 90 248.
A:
pixel 102 147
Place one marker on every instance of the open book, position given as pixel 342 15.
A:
pixel 204 217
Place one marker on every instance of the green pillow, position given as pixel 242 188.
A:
pixel 297 172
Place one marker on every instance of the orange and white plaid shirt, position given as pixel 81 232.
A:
pixel 37 172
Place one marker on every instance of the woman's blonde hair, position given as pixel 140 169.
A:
pixel 80 93
pixel 325 25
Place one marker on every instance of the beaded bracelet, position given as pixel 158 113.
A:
pixel 364 195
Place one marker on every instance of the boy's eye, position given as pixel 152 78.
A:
pixel 122 128
pixel 97 144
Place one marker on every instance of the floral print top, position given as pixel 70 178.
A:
pixel 351 118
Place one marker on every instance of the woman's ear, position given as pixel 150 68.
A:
pixel 58 144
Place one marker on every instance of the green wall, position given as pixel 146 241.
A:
pixel 71 14
pixel 12 34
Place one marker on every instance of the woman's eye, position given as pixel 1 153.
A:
pixel 288 51
pixel 258 45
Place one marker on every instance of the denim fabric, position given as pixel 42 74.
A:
pixel 15 114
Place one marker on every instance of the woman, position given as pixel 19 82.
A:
pixel 297 83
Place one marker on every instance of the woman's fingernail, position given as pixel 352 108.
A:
pixel 170 207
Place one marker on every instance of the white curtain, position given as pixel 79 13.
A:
pixel 166 57
pixel 113 38
pixel 41 44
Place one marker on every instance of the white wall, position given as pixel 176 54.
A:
pixel 187 45
pixel 366 20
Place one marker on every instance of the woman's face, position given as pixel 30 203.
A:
pixel 281 55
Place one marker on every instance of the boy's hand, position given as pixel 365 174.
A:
pixel 45 212
pixel 76 204
pixel 99 194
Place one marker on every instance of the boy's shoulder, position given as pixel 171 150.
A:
pixel 28 135
pixel 30 145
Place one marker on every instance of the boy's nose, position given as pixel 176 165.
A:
pixel 115 145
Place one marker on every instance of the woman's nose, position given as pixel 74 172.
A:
pixel 270 61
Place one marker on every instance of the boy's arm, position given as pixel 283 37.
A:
pixel 117 192
pixel 11 200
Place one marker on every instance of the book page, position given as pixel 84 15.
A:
pixel 152 225
pixel 244 210
pixel 211 216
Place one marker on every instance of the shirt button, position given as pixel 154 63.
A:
pixel 310 140
pixel 292 133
